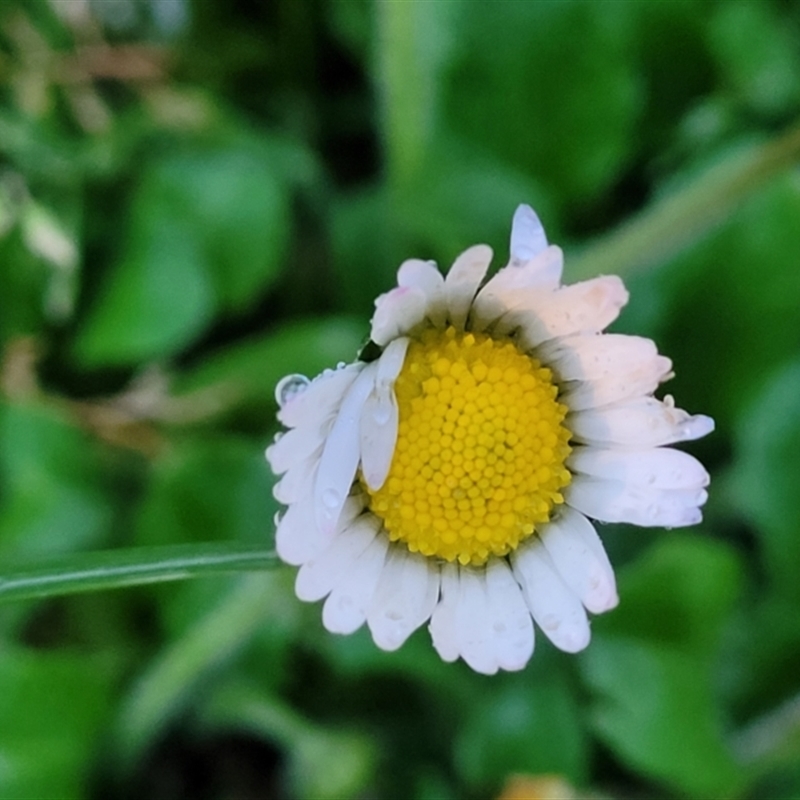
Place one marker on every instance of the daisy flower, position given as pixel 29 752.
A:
pixel 453 477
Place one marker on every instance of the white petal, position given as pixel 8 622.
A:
pixel 659 467
pixel 581 308
pixel 474 622
pixel 320 399
pixel 444 632
pixel 595 357
pixel 424 275
pixel 512 625
pixel 297 538
pixel 297 446
pixel 391 362
pixel 341 454
pixel 616 501
pixel 405 597
pixel 527 235
pixel 397 313
pixel 637 424
pixel 463 280
pixel 557 609
pixel 345 610
pixel 501 293
pixel 580 559
pixel 319 575
pixel 379 419
pixel 298 482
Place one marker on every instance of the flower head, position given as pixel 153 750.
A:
pixel 453 478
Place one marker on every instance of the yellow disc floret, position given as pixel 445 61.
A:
pixel 479 460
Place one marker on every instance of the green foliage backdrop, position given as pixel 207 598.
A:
pixel 197 197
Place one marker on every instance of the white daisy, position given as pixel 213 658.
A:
pixel 452 478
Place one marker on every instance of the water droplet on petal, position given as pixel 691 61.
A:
pixel 290 387
pixel 330 498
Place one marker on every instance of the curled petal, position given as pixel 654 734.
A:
pixel 425 276
pixel 379 419
pixel 463 280
pixel 636 424
pixel 397 313
pixel 501 293
pixel 587 307
pixel 342 452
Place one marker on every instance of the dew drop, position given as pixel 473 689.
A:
pixel 330 498
pixel 289 387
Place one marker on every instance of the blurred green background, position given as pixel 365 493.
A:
pixel 199 196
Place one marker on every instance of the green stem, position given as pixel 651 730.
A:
pixel 113 569
pixel 412 43
pixel 684 216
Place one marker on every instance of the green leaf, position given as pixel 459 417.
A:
pixel 155 300
pixel 209 230
pixel 655 707
pixel 559 99
pixel 53 499
pixel 650 666
pixel 234 202
pixel 765 475
pixel 52 706
pixel 24 278
pixel 757 55
pixel 530 724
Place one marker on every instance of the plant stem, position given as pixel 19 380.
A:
pixel 113 569
pixel 677 220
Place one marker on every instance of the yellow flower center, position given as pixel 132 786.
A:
pixel 479 460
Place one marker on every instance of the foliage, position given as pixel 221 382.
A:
pixel 198 197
